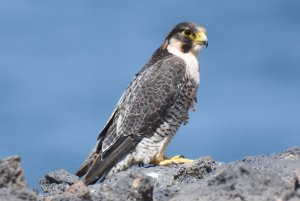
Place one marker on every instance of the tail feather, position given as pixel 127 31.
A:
pixel 87 164
pixel 97 167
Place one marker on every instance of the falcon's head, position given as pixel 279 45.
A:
pixel 187 37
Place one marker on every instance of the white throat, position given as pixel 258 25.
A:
pixel 190 58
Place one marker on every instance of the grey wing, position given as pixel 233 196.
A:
pixel 145 102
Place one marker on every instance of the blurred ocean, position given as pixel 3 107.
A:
pixel 65 64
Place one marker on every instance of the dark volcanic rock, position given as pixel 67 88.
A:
pixel 195 170
pixel 11 173
pixel 239 182
pixel 258 178
pixel 17 194
pixel 134 186
pixel 283 164
pixel 12 184
pixel 57 182
pixel 166 181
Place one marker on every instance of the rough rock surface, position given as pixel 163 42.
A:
pixel 258 178
pixel 11 173
pixel 57 182
pixel 12 184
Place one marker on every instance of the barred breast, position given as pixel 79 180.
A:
pixel 151 149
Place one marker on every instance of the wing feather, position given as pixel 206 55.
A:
pixel 139 112
pixel 148 98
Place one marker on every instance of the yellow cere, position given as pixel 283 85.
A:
pixel 200 36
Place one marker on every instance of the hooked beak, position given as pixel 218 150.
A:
pixel 201 38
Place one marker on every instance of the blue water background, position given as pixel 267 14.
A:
pixel 64 65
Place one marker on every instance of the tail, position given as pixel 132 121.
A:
pixel 87 169
pixel 97 165
pixel 87 163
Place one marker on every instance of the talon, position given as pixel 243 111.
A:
pixel 179 159
pixel 178 156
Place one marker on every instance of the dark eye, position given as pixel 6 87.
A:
pixel 187 32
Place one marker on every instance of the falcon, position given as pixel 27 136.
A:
pixel 152 108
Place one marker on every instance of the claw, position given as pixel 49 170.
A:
pixel 179 159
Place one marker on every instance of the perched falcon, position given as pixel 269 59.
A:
pixel 152 107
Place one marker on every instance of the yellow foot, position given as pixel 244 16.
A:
pixel 176 159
